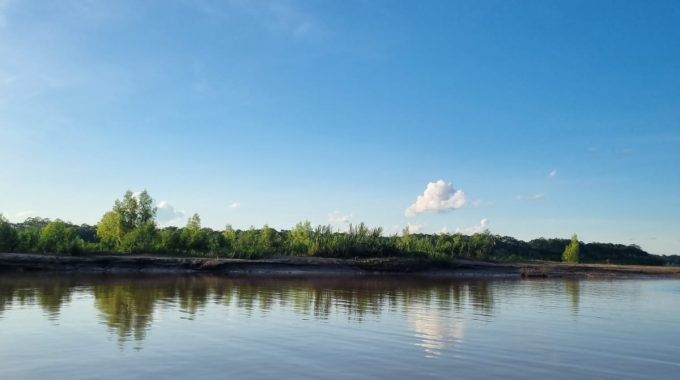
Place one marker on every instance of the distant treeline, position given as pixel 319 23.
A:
pixel 511 249
pixel 130 228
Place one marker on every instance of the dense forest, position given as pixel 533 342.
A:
pixel 130 228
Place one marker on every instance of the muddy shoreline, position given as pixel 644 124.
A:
pixel 287 266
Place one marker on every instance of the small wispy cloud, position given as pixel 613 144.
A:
pixel 336 217
pixel 438 197
pixel 481 227
pixel 167 215
pixel 278 16
pixel 553 174
pixel 234 205
pixel 534 197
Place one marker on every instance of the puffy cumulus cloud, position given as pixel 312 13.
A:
pixel 444 231
pixel 534 197
pixel 166 214
pixel 438 197
pixel 336 217
pixel 414 228
pixel 234 205
pixel 481 227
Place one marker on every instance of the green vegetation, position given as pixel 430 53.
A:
pixel 58 237
pixel 129 228
pixel 570 254
pixel 8 235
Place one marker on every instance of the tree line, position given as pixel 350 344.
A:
pixel 130 228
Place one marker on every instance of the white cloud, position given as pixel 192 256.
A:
pixel 20 216
pixel 234 205
pixel 25 214
pixel 414 228
pixel 553 174
pixel 336 217
pixel 438 197
pixel 481 227
pixel 167 215
pixel 534 197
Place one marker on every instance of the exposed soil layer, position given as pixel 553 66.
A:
pixel 284 266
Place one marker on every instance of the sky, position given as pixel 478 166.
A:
pixel 527 118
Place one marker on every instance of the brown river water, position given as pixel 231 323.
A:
pixel 75 326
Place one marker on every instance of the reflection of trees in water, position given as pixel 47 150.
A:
pixel 36 290
pixel 481 297
pixel 127 309
pixel 573 290
pixel 127 303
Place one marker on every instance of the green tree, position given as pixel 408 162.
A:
pixel 482 244
pixel 134 210
pixel 145 210
pixel 58 237
pixel 29 233
pixel 300 238
pixel 406 241
pixel 169 240
pixel 127 210
pixel 110 230
pixel 266 241
pixel 8 236
pixel 134 213
pixel 141 239
pixel 193 236
pixel 571 251
pixel 229 235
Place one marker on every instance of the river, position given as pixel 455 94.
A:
pixel 76 326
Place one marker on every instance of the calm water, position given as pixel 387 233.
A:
pixel 68 326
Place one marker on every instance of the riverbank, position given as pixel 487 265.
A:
pixel 286 266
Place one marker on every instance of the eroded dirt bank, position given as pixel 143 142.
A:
pixel 284 266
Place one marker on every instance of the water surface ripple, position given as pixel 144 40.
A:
pixel 85 326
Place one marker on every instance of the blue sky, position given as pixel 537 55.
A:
pixel 254 112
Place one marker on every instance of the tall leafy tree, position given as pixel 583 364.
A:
pixel 134 210
pixel 110 230
pixel 127 210
pixel 134 213
pixel 300 238
pixel 571 251
pixel 229 235
pixel 193 236
pixel 146 212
